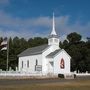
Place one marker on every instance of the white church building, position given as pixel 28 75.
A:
pixel 48 59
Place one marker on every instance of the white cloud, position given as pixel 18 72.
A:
pixel 13 33
pixel 4 1
pixel 27 28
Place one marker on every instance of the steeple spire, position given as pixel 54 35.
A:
pixel 53 37
pixel 53 27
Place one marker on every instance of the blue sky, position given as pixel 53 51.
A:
pixel 32 18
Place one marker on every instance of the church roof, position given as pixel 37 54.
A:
pixel 34 50
pixel 52 54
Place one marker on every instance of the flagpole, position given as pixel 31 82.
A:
pixel 7 53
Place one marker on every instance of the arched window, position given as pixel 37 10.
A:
pixel 36 62
pixel 62 64
pixel 22 64
pixel 28 63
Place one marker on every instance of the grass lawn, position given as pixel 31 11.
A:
pixel 75 85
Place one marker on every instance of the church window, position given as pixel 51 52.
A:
pixel 36 62
pixel 62 64
pixel 56 40
pixel 22 64
pixel 28 63
pixel 36 65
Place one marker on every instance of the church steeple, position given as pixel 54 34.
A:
pixel 53 37
pixel 53 27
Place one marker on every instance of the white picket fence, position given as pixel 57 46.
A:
pixel 17 73
pixel 81 74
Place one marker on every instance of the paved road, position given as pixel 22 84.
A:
pixel 37 81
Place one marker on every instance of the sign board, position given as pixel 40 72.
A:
pixel 38 67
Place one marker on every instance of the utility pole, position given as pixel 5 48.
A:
pixel 7 53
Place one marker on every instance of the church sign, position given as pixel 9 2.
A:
pixel 38 67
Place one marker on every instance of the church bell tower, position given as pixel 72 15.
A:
pixel 53 37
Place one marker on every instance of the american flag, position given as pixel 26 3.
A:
pixel 4 44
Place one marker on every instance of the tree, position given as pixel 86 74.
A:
pixel 65 44
pixel 74 37
pixel 88 55
pixel 37 41
pixel 82 66
pixel 78 51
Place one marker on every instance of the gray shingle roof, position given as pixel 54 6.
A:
pixel 33 51
pixel 52 54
